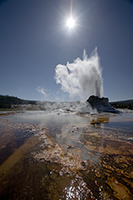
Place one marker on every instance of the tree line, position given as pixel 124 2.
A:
pixel 8 101
pixel 123 104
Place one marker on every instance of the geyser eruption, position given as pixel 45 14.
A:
pixel 82 78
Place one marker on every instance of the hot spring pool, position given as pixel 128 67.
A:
pixel 45 155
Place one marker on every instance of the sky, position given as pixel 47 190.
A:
pixel 34 40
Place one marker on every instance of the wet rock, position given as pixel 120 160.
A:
pixel 55 154
pixel 104 195
pixel 121 192
pixel 129 182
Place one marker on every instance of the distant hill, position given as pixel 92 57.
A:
pixel 123 104
pixel 9 101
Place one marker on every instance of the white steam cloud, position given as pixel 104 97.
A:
pixel 81 78
pixel 41 90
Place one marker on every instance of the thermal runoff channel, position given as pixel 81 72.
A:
pixel 82 78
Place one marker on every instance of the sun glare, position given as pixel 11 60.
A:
pixel 71 22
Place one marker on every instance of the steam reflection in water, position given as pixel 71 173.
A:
pixel 67 156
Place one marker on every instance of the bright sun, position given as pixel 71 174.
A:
pixel 71 22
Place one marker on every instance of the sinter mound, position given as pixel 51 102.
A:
pixel 101 104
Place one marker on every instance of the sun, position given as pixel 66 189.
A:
pixel 70 23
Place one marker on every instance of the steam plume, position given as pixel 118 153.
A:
pixel 41 90
pixel 81 78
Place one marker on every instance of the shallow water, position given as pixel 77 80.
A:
pixel 46 155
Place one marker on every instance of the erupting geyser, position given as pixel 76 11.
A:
pixel 82 78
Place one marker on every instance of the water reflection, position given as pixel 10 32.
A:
pixel 65 157
pixel 99 120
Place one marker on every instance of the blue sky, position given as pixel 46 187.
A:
pixel 34 39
